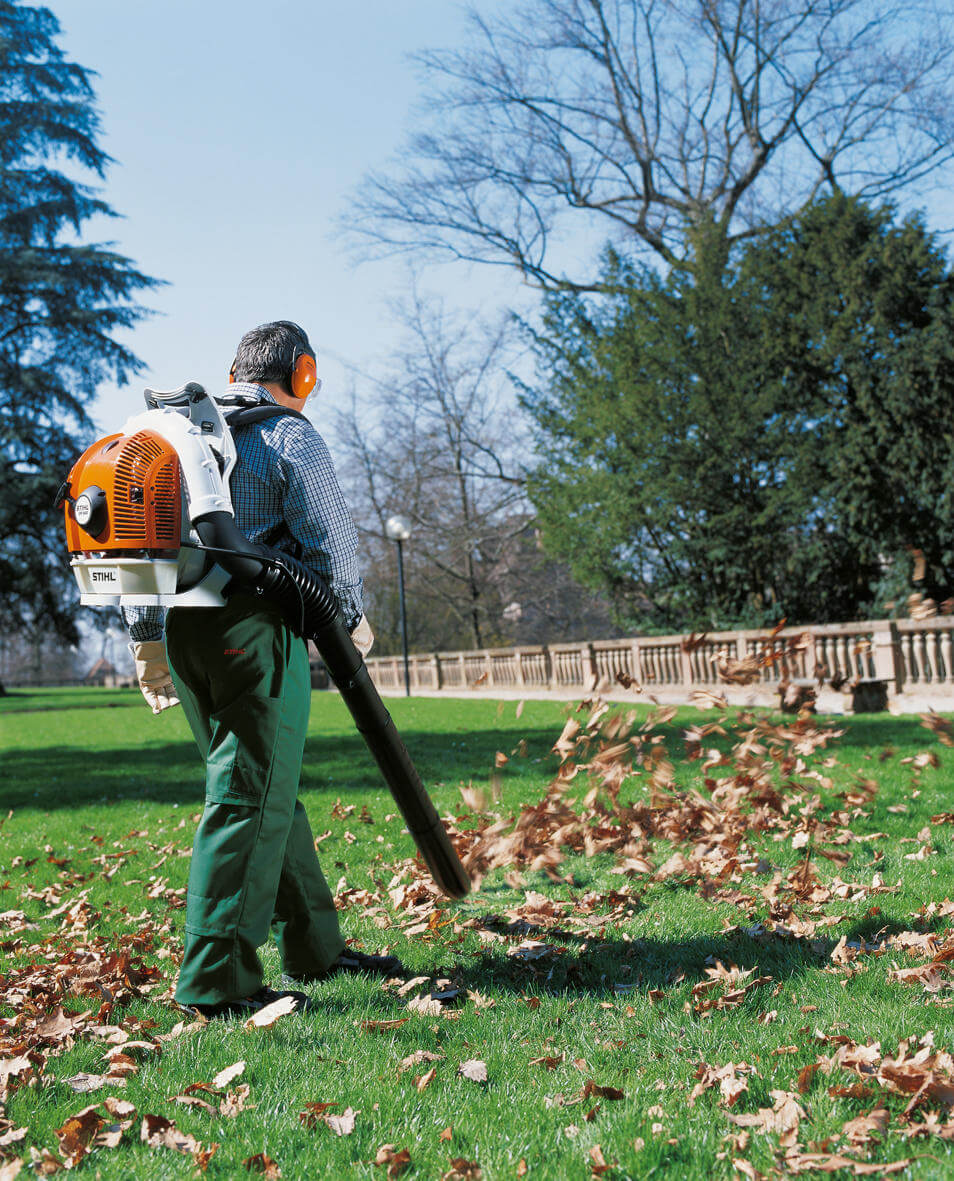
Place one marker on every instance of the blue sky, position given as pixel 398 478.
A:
pixel 239 131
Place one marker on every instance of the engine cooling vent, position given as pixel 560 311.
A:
pixel 167 502
pixel 145 510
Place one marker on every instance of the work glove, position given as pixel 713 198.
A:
pixel 363 637
pixel 152 673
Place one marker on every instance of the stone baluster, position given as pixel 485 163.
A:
pixel 910 661
pixel 925 653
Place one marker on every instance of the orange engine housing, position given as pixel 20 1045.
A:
pixel 139 475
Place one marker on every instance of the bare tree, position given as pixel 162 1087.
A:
pixel 677 125
pixel 431 440
pixel 440 439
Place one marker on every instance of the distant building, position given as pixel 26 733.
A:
pixel 104 672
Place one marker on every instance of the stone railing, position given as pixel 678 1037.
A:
pixel 912 659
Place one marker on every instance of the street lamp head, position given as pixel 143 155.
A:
pixel 397 528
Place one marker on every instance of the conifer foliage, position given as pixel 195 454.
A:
pixel 61 302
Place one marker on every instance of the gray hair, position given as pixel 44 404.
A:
pixel 269 352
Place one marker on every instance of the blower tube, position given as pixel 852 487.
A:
pixel 310 607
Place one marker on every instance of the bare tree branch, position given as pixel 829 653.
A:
pixel 656 118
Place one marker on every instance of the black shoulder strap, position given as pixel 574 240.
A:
pixel 244 415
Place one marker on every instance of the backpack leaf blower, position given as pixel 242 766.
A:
pixel 149 521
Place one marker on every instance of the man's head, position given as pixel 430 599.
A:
pixel 279 354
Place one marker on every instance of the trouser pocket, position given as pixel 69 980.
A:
pixel 242 748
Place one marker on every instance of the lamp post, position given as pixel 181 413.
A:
pixel 398 530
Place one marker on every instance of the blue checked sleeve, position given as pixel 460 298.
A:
pixel 315 512
pixel 144 623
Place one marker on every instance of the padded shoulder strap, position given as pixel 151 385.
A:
pixel 244 415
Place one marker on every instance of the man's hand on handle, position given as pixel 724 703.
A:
pixel 363 636
pixel 152 672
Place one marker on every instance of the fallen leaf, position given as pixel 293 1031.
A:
pixel 267 1016
pixel 396 1162
pixel 81 1083
pixel 224 1077
pixel 260 1163
pixel 159 1132
pixel 342 1125
pixel 473 1069
pixel 313 1113
pixel 462 1170
pixel 76 1135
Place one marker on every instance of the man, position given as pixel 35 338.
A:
pixel 243 678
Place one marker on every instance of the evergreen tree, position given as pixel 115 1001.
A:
pixel 736 450
pixel 61 301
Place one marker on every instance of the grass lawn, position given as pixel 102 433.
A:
pixel 609 1033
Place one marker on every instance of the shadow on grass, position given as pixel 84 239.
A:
pixel 65 776
pixel 574 965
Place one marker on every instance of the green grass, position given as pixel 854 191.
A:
pixel 89 773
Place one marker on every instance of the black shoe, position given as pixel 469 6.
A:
pixel 354 962
pixel 245 1006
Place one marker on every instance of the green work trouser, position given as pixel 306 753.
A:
pixel 243 680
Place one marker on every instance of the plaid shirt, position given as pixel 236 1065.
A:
pixel 286 495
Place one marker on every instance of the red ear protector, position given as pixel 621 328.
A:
pixel 304 375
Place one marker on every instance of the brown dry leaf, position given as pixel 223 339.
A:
pixel 421 1082
pixel 824 1162
pixel 396 1161
pixel 342 1125
pixel 462 1169
pixel 11 1169
pixel 267 1016
pixel 551 1063
pixel 783 1118
pixel 383 1026
pixel 599 1166
pixel 159 1132
pixel 940 726
pixel 313 1113
pixel 235 1100
pixel 521 1167
pixel 694 642
pixel 592 1088
pixel 82 1082
pixel 201 1159
pixel 120 1109
pixel 446 1134
pixel 473 1069
pixel 76 1135
pixel 260 1163
pixel 410 985
pixel 193 1101
pixel 224 1077
pixel 729 1079
pixel 416 1058
pixel 866 1128
pixel 180 1028
pixel 426 1006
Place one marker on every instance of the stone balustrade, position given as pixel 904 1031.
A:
pixel 913 659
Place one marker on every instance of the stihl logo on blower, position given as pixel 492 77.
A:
pixel 149 521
